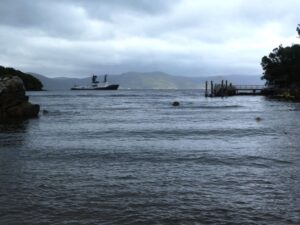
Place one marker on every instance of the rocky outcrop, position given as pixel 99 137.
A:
pixel 13 101
pixel 30 82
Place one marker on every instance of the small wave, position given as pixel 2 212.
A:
pixel 272 160
pixel 123 95
pixel 106 95
pixel 45 112
pixel 52 96
pixel 115 108
pixel 221 107
pixel 198 133
pixel 92 156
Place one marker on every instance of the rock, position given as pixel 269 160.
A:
pixel 23 110
pixel 258 119
pixel 175 103
pixel 13 101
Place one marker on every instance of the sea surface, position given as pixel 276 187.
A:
pixel 130 157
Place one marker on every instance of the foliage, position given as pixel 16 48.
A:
pixel 282 66
pixel 30 82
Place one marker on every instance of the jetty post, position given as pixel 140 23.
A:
pixel 222 88
pixel 211 88
pixel 206 88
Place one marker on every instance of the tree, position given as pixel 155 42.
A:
pixel 30 82
pixel 282 66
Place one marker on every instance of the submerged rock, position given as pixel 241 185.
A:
pixel 258 119
pixel 45 111
pixel 175 103
pixel 13 101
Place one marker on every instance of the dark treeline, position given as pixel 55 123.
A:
pixel 30 82
pixel 282 66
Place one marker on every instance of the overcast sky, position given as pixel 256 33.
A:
pixel 77 38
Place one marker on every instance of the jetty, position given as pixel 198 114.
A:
pixel 225 88
pixel 249 89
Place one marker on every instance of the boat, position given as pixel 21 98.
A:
pixel 96 85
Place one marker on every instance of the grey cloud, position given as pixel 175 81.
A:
pixel 187 37
pixel 70 18
pixel 36 12
pixel 146 6
pixel 39 15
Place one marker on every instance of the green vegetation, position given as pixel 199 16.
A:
pixel 282 66
pixel 31 83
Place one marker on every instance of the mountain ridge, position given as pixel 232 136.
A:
pixel 147 80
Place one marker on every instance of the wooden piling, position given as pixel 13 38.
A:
pixel 227 89
pixel 222 88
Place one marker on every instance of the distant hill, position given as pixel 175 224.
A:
pixel 152 80
pixel 31 83
pixel 60 83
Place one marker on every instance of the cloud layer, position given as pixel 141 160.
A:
pixel 184 37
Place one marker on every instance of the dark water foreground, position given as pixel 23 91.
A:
pixel 129 157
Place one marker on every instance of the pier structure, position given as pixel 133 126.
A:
pixel 249 89
pixel 225 88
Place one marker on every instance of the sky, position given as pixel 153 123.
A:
pixel 77 38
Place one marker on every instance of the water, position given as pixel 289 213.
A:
pixel 129 157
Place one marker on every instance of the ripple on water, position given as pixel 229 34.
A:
pixel 129 157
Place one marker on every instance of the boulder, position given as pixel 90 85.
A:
pixel 175 103
pixel 13 100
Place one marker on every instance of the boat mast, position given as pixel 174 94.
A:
pixel 94 79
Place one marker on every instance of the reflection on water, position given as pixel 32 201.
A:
pixel 12 125
pixel 129 157
pixel 12 133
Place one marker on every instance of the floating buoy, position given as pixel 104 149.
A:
pixel 175 103
pixel 258 119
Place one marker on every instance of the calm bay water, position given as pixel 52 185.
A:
pixel 129 157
